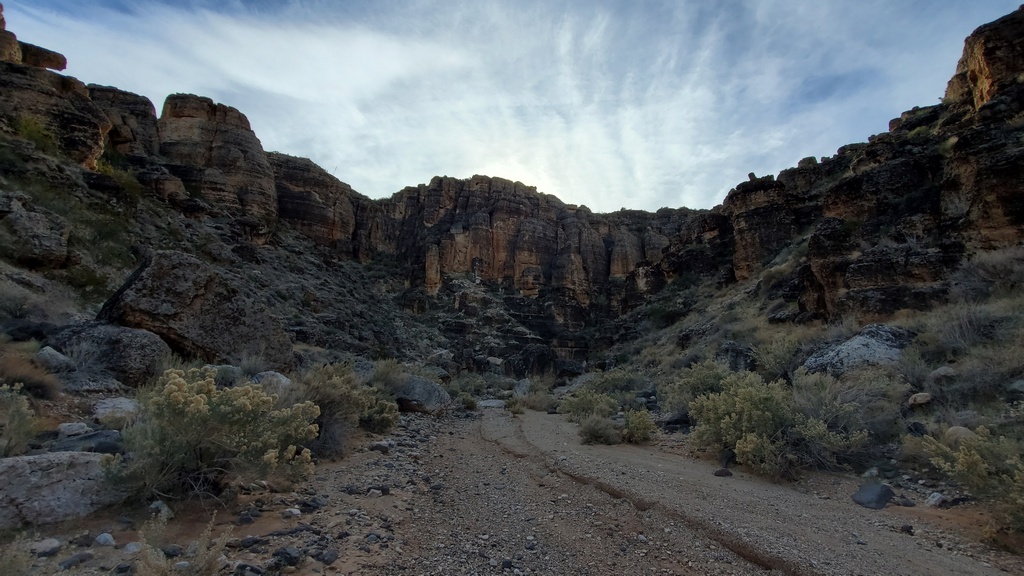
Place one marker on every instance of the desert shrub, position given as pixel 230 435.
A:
pixel 15 558
pixel 867 399
pixel 989 467
pixel 205 555
pixel 467 400
pixel 34 129
pixel 345 404
pixel 17 421
pixel 640 427
pixel 193 439
pixel 515 405
pixel 764 425
pixel 586 403
pixel 599 430
pixel 467 382
pixel 774 357
pixel 618 380
pixel 125 179
pixel 701 378
pixel 17 367
pixel 539 401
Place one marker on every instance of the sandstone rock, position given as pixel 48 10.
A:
pixel 220 156
pixel 61 104
pixel 132 356
pixel 993 58
pixel 133 121
pixel 49 488
pixel 416 394
pixel 314 202
pixel 10 48
pixel 919 399
pixel 198 312
pixel 32 55
pixel 876 344
pixel 954 435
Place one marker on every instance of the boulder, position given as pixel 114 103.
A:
pixel 53 361
pixel 873 495
pixel 919 399
pixel 32 55
pixel 129 355
pixel 115 413
pixel 32 237
pixel 198 311
pixel 876 344
pixel 272 382
pixel 954 435
pixel 54 487
pixel 417 394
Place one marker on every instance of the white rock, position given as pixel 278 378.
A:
pixel 105 539
pixel 115 413
pixel 45 548
pixel 48 488
pixel 291 513
pixel 69 429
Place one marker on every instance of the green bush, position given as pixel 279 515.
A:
pixel 586 403
pixel 467 382
pixel 345 404
pixel 193 439
pixel 640 427
pixel 540 401
pixel 618 380
pixel 702 378
pixel 467 400
pixel 205 555
pixel 599 430
pixel 515 405
pixel 766 428
pixel 989 467
pixel 774 358
pixel 17 421
pixel 34 129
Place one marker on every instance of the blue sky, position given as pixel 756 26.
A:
pixel 637 104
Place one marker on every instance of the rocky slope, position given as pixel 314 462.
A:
pixel 882 224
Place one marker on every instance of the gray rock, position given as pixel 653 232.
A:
pixel 45 548
pixel 876 344
pixel 105 351
pixel 873 495
pixel 37 239
pixel 48 488
pixel 80 558
pixel 522 388
pixel 936 499
pixel 132 547
pixel 499 404
pixel 198 310
pixel 417 394
pixel 53 361
pixel 115 413
pixel 160 508
pixel 71 429
pixel 105 539
pixel 272 382
pixel 100 441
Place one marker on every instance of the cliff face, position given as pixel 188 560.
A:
pixel 879 226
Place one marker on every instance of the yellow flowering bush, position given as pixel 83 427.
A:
pixel 193 438
pixel 17 421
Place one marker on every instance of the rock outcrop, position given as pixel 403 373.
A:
pixel 212 148
pixel 130 355
pixel 315 203
pixel 133 121
pixel 32 237
pixel 53 487
pixel 198 312
pixel 32 55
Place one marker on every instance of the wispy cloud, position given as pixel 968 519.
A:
pixel 607 104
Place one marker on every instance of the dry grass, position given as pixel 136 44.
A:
pixel 17 367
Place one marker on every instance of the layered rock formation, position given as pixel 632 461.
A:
pixel 198 312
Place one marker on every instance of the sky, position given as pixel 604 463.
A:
pixel 637 104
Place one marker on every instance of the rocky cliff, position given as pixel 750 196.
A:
pixel 877 227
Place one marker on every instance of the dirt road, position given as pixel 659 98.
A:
pixel 522 493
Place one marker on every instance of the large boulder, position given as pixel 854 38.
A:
pixel 32 55
pixel 198 311
pixel 417 394
pixel 876 344
pixel 130 355
pixel 32 237
pixel 133 119
pixel 49 488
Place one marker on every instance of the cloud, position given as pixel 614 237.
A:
pixel 603 103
